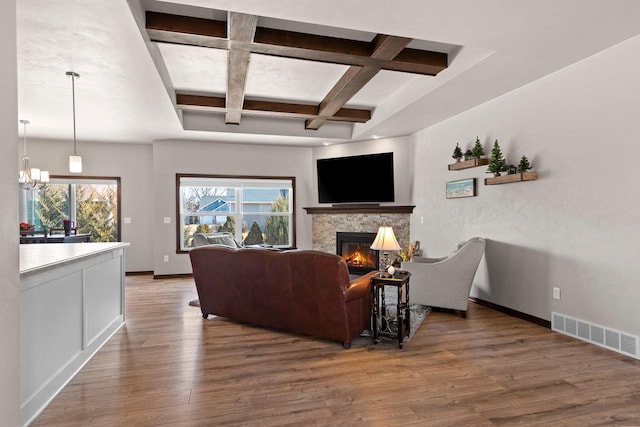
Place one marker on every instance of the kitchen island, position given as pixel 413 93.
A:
pixel 72 302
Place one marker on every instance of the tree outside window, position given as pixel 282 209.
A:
pixel 92 204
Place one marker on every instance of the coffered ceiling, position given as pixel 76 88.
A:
pixel 291 72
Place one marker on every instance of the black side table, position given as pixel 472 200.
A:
pixel 381 325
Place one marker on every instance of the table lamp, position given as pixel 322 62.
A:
pixel 385 241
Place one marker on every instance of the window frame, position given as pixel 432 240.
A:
pixel 178 218
pixel 118 181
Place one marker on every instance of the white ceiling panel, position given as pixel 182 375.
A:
pixel 291 79
pixel 194 68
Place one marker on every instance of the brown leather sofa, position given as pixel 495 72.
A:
pixel 301 291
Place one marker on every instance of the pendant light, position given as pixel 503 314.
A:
pixel 31 178
pixel 75 161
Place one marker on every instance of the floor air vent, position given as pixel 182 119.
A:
pixel 604 337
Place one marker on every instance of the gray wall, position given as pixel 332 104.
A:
pixel 148 173
pixel 402 164
pixel 173 157
pixel 133 164
pixel 9 276
pixel 577 226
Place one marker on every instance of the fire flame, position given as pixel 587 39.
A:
pixel 356 259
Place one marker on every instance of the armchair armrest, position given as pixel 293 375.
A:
pixel 360 287
pixel 422 259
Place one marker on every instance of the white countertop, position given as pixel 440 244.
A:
pixel 37 256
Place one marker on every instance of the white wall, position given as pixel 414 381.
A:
pixel 173 157
pixel 9 276
pixel 577 226
pixel 132 163
pixel 402 164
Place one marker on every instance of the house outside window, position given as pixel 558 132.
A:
pixel 255 210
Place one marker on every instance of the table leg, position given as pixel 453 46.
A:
pixel 374 314
pixel 400 318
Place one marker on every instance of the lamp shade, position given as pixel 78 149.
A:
pixel 385 240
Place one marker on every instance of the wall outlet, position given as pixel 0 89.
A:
pixel 421 219
pixel 556 293
pixel 166 258
pixel 167 220
pixel 127 220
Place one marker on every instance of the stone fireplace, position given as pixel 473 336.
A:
pixel 327 222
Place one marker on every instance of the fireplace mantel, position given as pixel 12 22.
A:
pixel 351 209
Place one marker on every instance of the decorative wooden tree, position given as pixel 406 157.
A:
pixel 457 153
pixel 524 164
pixel 497 162
pixel 477 151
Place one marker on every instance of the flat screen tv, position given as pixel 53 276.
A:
pixel 356 179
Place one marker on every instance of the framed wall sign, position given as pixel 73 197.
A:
pixel 461 188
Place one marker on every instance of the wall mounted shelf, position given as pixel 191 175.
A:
pixel 466 164
pixel 516 177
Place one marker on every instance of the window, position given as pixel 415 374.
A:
pixel 92 203
pixel 256 210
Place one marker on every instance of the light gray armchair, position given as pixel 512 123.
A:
pixel 218 238
pixel 446 282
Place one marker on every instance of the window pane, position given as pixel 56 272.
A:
pixel 255 210
pixel 52 206
pixel 269 230
pixel 265 200
pixel 92 204
pixel 207 199
pixel 96 211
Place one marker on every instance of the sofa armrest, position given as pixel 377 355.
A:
pixel 360 287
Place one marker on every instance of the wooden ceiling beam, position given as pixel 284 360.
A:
pixel 355 78
pixel 242 29
pixel 270 108
pixel 164 22
pixel 184 30
pixel 241 36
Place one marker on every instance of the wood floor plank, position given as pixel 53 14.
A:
pixel 168 366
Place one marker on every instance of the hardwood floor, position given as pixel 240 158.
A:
pixel 168 366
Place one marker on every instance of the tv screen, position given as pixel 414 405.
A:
pixel 356 179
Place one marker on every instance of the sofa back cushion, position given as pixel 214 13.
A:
pixel 319 281
pixel 231 280
pixel 297 290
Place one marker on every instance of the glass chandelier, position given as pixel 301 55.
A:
pixel 30 178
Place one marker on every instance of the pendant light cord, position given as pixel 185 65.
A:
pixel 73 95
pixel 74 76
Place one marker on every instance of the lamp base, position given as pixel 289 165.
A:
pixel 385 262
